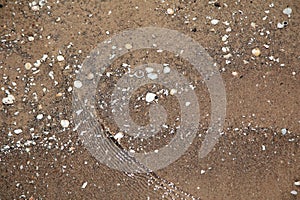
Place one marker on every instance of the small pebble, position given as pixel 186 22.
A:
pixel 64 123
pixel 128 46
pixel 59 94
pixel 152 76
pixel 77 84
pixel 166 70
pixel 35 8
pixel 39 116
pixel 60 58
pixel 234 73
pixel 30 38
pixel 150 97
pixel 256 52
pixel 224 38
pixel 283 131
pixel 18 131
pixel 173 91
pixel 8 100
pixel 297 183
pixel 170 11
pixel 149 69
pixel 90 76
pixel 214 21
pixel 253 25
pixel 28 66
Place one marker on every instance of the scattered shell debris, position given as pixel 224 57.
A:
pixel 227 29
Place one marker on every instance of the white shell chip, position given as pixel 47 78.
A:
pixel 150 97
pixel 77 84
pixel 287 11
pixel 64 123
pixel 60 58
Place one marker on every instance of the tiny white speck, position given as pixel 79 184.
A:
pixel 90 76
pixel 152 76
pixel 150 97
pixel 214 21
pixel 84 185
pixel 173 91
pixel 119 136
pixel 170 11
pixel 294 192
pixel 60 58
pixel 224 38
pixel 30 38
pixel 18 131
pixel 39 116
pixel 297 183
pixel 77 84
pixel 166 70
pixel 287 11
pixel 234 73
pixel 149 69
pixel 280 25
pixel 64 123
pixel 128 46
pixel 28 66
